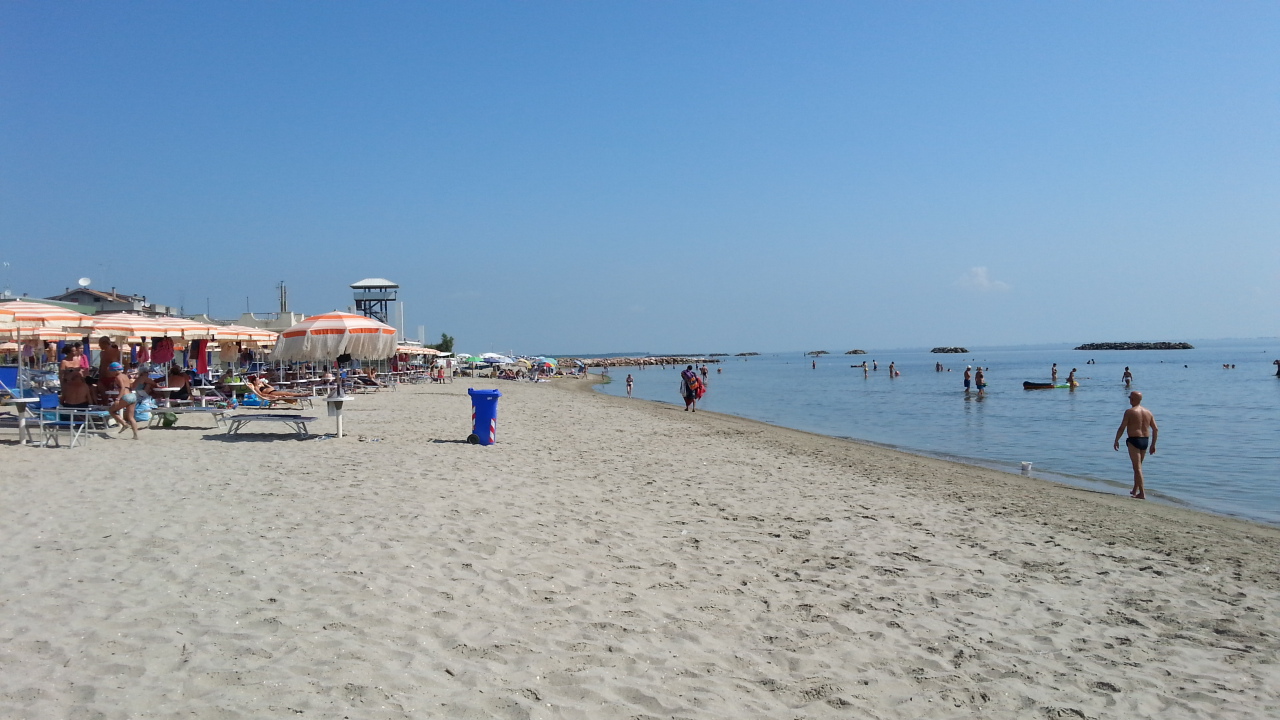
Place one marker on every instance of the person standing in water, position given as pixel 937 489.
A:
pixel 689 388
pixel 630 382
pixel 1071 379
pixel 1054 372
pixel 980 381
pixel 1127 377
pixel 1141 427
pixel 968 376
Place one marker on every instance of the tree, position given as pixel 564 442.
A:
pixel 445 345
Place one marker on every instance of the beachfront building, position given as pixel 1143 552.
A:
pixel 98 301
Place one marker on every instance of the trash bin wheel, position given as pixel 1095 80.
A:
pixel 474 439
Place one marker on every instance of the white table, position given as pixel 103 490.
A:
pixel 23 406
pixel 164 395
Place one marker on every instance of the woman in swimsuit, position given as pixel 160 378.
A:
pixel 127 401
pixel 75 392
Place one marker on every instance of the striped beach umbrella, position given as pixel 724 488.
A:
pixel 126 325
pixel 240 333
pixel 28 314
pixel 325 337
pixel 189 329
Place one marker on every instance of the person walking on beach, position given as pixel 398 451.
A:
pixel 630 382
pixel 968 376
pixel 689 388
pixel 1141 427
pixel 126 400
pixel 1127 377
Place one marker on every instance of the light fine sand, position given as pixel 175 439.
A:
pixel 606 559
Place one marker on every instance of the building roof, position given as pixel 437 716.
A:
pixel 373 284
pixel 110 297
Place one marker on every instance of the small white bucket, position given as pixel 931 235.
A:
pixel 1026 468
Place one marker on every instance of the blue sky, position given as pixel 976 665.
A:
pixel 711 177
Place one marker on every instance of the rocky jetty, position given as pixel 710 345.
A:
pixel 856 352
pixel 817 353
pixel 751 354
pixel 630 361
pixel 1137 346
pixel 949 350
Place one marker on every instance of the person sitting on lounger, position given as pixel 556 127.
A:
pixel 263 390
pixel 370 378
pixel 179 379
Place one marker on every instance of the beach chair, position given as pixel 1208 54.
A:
pixel 9 381
pixel 78 422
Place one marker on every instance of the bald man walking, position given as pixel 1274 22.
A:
pixel 1141 426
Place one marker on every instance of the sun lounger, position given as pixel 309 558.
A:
pixel 219 415
pixel 298 422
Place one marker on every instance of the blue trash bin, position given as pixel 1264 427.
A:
pixel 484 416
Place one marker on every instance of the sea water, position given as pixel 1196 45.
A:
pixel 1219 443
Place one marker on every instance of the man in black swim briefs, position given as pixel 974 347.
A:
pixel 1141 426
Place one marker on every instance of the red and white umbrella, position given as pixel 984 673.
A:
pixel 325 337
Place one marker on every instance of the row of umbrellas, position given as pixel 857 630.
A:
pixel 496 359
pixel 318 338
pixel 26 320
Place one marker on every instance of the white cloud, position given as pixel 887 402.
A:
pixel 979 279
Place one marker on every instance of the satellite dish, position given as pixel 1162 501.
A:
pixel 83 282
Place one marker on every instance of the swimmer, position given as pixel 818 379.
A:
pixel 1127 377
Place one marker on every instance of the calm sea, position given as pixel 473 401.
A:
pixel 1219 446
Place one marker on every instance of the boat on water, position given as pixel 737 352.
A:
pixel 1041 386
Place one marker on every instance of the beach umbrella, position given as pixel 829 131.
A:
pixel 324 337
pixel 495 359
pixel 189 329
pixel 127 325
pixel 240 333
pixel 25 314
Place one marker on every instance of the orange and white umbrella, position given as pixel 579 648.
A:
pixel 28 314
pixel 35 333
pixel 126 325
pixel 241 333
pixel 189 329
pixel 325 337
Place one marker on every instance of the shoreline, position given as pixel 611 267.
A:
pixel 990 482
pixel 1086 483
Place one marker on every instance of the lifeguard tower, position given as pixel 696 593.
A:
pixel 373 296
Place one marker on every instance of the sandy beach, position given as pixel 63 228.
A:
pixel 606 559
